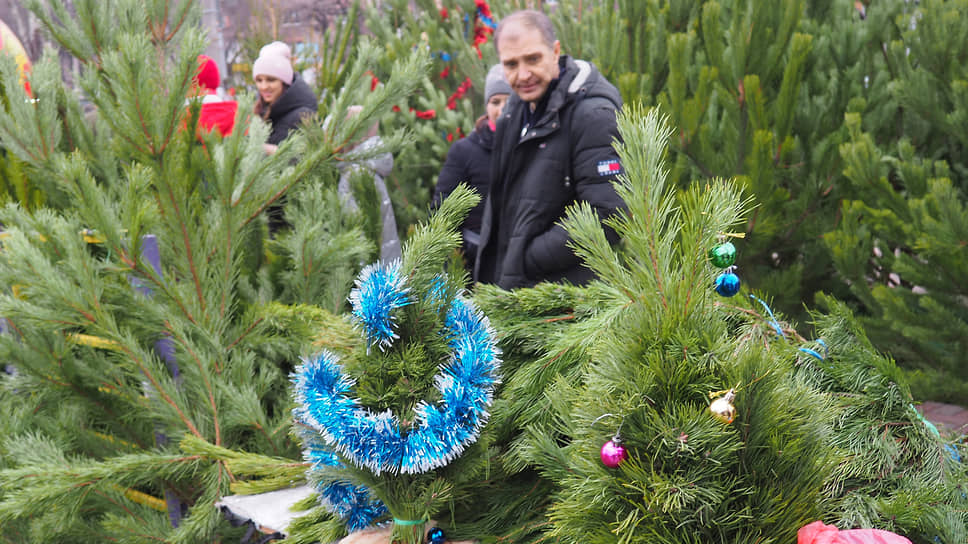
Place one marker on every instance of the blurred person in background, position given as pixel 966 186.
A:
pixel 284 98
pixel 216 113
pixel 469 161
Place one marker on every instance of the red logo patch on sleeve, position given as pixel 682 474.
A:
pixel 609 167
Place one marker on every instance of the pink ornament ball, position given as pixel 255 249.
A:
pixel 613 453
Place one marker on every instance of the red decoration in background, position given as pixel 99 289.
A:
pixel 456 135
pixel 373 83
pixel 482 30
pixel 482 5
pixel 458 94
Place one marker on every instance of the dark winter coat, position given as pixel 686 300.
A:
pixel 565 156
pixel 288 111
pixel 468 161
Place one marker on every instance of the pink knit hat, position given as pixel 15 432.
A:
pixel 271 63
pixel 278 48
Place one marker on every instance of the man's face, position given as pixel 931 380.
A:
pixel 529 63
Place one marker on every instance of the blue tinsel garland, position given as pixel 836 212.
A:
pixel 379 290
pixel 352 503
pixel 439 433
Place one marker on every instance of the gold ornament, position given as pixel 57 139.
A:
pixel 723 409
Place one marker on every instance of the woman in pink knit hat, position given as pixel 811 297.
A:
pixel 284 98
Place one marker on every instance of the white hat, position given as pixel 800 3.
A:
pixel 273 64
pixel 278 48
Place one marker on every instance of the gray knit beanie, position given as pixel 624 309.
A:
pixel 495 83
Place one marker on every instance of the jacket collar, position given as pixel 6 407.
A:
pixel 574 78
pixel 297 96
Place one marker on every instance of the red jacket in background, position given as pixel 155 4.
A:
pixel 219 116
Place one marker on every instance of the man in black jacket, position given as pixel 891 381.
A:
pixel 552 148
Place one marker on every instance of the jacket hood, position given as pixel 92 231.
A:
pixel 582 79
pixel 297 96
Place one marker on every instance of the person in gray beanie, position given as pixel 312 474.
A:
pixel 469 160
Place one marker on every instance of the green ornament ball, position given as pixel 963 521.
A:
pixel 723 255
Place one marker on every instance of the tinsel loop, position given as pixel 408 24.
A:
pixel 379 291
pixel 440 432
pixel 352 503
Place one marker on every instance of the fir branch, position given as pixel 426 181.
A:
pixel 180 21
pixel 186 243
pixel 252 326
pixel 137 265
pixel 157 386
pixel 205 379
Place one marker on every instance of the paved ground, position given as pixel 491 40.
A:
pixel 950 419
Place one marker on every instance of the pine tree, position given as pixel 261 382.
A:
pixel 146 301
pixel 420 382
pixel 660 349
pixel 900 244
pixel 769 94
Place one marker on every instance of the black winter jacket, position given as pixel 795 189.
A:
pixel 565 156
pixel 285 114
pixel 468 161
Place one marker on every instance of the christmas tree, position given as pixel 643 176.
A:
pixel 644 457
pixel 146 302
pixel 421 383
pixel 609 411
